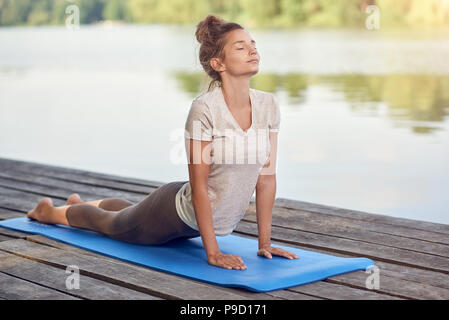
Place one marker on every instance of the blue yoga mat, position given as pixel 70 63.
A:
pixel 187 258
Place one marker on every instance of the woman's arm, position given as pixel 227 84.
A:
pixel 265 193
pixel 265 196
pixel 199 166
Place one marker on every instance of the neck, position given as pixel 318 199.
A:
pixel 236 93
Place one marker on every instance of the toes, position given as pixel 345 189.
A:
pixel 74 198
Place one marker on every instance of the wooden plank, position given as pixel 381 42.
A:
pixel 156 283
pixel 351 247
pixel 13 233
pixel 332 291
pixel 435 279
pixel 358 233
pixel 327 221
pixel 402 273
pixel 55 278
pixel 5 238
pixel 260 296
pixel 393 270
pixel 409 289
pixel 61 171
pixel 76 175
pixel 372 217
pixel 293 295
pixel 12 288
pixel 399 284
pixel 6 213
pixel 347 225
pixel 57 188
pixel 22 201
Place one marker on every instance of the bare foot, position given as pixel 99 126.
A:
pixel 74 198
pixel 41 211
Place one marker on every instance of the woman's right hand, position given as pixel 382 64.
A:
pixel 227 261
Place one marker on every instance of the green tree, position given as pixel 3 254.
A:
pixel 168 11
pixel 116 10
pixel 40 12
pixel 14 12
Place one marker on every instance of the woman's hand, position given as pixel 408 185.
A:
pixel 268 251
pixel 227 261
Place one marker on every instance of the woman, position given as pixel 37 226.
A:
pixel 217 194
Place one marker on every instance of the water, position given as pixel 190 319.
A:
pixel 364 114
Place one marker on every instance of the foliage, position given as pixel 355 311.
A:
pixel 251 13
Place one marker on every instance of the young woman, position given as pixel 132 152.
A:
pixel 219 189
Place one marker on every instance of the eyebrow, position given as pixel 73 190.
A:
pixel 243 41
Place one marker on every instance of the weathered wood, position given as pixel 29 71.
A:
pixel 5 238
pixel 399 285
pixel 64 246
pixel 351 247
pixel 327 222
pixel 364 216
pixel 328 290
pixel 401 288
pixel 6 213
pixel 351 233
pixel 81 176
pixel 435 279
pixel 60 189
pixel 412 255
pixel 294 294
pixel 12 288
pixel 145 280
pixel 55 278
pixel 13 233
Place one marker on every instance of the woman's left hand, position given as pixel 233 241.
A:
pixel 268 251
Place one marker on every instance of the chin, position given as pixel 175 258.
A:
pixel 255 71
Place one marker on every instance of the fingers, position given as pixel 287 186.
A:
pixel 267 254
pixel 278 252
pixel 234 262
pixel 285 253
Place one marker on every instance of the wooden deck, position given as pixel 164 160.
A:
pixel 413 256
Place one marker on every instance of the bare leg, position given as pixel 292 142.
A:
pixel 47 213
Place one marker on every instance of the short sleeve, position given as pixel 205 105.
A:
pixel 275 119
pixel 198 125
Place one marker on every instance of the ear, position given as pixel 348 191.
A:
pixel 217 65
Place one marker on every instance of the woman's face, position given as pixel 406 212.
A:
pixel 241 56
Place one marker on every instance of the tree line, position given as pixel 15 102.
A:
pixel 250 13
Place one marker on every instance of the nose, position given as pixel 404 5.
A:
pixel 253 52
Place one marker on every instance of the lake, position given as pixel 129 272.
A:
pixel 364 114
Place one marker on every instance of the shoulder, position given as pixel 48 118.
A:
pixel 204 101
pixel 263 96
pixel 266 99
pixel 206 97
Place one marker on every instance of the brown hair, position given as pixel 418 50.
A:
pixel 211 34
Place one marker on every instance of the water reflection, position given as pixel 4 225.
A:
pixel 418 98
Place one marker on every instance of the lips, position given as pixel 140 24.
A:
pixel 253 60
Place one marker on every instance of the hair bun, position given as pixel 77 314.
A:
pixel 204 27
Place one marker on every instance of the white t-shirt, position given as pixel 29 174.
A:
pixel 237 157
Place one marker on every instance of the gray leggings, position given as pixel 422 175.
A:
pixel 154 220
